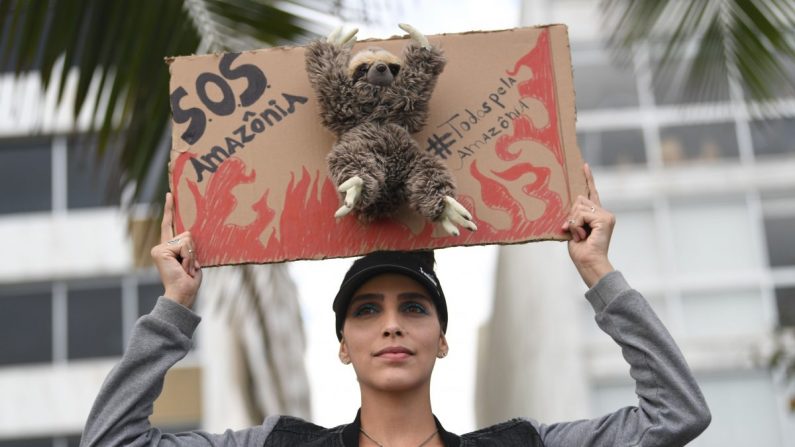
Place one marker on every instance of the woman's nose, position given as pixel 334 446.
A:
pixel 393 331
pixel 392 326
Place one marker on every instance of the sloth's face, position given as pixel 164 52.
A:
pixel 377 73
pixel 374 66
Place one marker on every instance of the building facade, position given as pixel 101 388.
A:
pixel 72 286
pixel 704 195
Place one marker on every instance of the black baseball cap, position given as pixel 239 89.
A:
pixel 418 265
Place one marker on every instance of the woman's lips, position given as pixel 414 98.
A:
pixel 394 353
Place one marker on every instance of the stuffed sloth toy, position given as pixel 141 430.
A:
pixel 373 101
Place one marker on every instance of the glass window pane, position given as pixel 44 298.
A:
pixel 27 442
pixel 95 322
pixel 713 236
pixel 669 87
pixel 773 137
pixel 781 87
pixel 26 169
pixel 604 86
pixel 785 301
pixel 729 312
pixel 780 234
pixel 743 410
pixel 613 147
pixel 147 297
pixel 88 178
pixel 633 249
pixel 703 142
pixel 25 326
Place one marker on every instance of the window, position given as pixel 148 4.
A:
pixel 613 147
pixel 703 142
pixel 743 407
pixel 27 442
pixel 26 326
pixel 773 137
pixel 782 88
pixel 88 178
pixel 633 249
pixel 669 88
pixel 70 441
pixel 94 322
pixel 147 297
pixel 713 236
pixel 25 175
pixel 723 313
pixel 780 232
pixel 601 86
pixel 90 327
pixel 785 301
pixel 26 168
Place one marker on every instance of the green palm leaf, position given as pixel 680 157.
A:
pixel 118 48
pixel 752 39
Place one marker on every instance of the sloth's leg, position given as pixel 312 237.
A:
pixel 427 182
pixel 359 176
pixel 431 192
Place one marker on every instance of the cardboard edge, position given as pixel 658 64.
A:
pixel 171 59
pixel 352 258
pixel 563 69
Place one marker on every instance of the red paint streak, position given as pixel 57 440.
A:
pixel 541 87
pixel 532 180
pixel 219 242
pixel 497 194
pixel 514 172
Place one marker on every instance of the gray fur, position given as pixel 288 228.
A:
pixel 374 124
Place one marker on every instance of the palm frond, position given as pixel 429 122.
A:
pixel 751 39
pixel 117 49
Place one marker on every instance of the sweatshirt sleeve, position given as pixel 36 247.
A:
pixel 671 410
pixel 120 415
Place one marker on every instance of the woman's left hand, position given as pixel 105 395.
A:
pixel 591 227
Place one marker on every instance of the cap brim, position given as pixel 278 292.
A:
pixel 353 283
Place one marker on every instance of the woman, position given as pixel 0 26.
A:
pixel 391 317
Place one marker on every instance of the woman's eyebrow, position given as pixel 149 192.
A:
pixel 404 296
pixel 414 296
pixel 367 297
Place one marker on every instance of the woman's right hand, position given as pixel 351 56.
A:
pixel 175 259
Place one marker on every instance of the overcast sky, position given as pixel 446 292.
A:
pixel 466 273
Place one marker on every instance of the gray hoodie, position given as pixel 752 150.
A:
pixel 671 410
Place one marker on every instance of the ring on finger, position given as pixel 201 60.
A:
pixel 593 209
pixel 173 241
pixel 571 221
pixel 190 251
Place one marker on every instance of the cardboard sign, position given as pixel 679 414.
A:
pixel 248 168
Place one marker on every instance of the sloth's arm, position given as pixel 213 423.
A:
pixel 326 66
pixel 409 95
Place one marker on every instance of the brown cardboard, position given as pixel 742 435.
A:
pixel 502 116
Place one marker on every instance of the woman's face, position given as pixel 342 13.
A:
pixel 392 334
